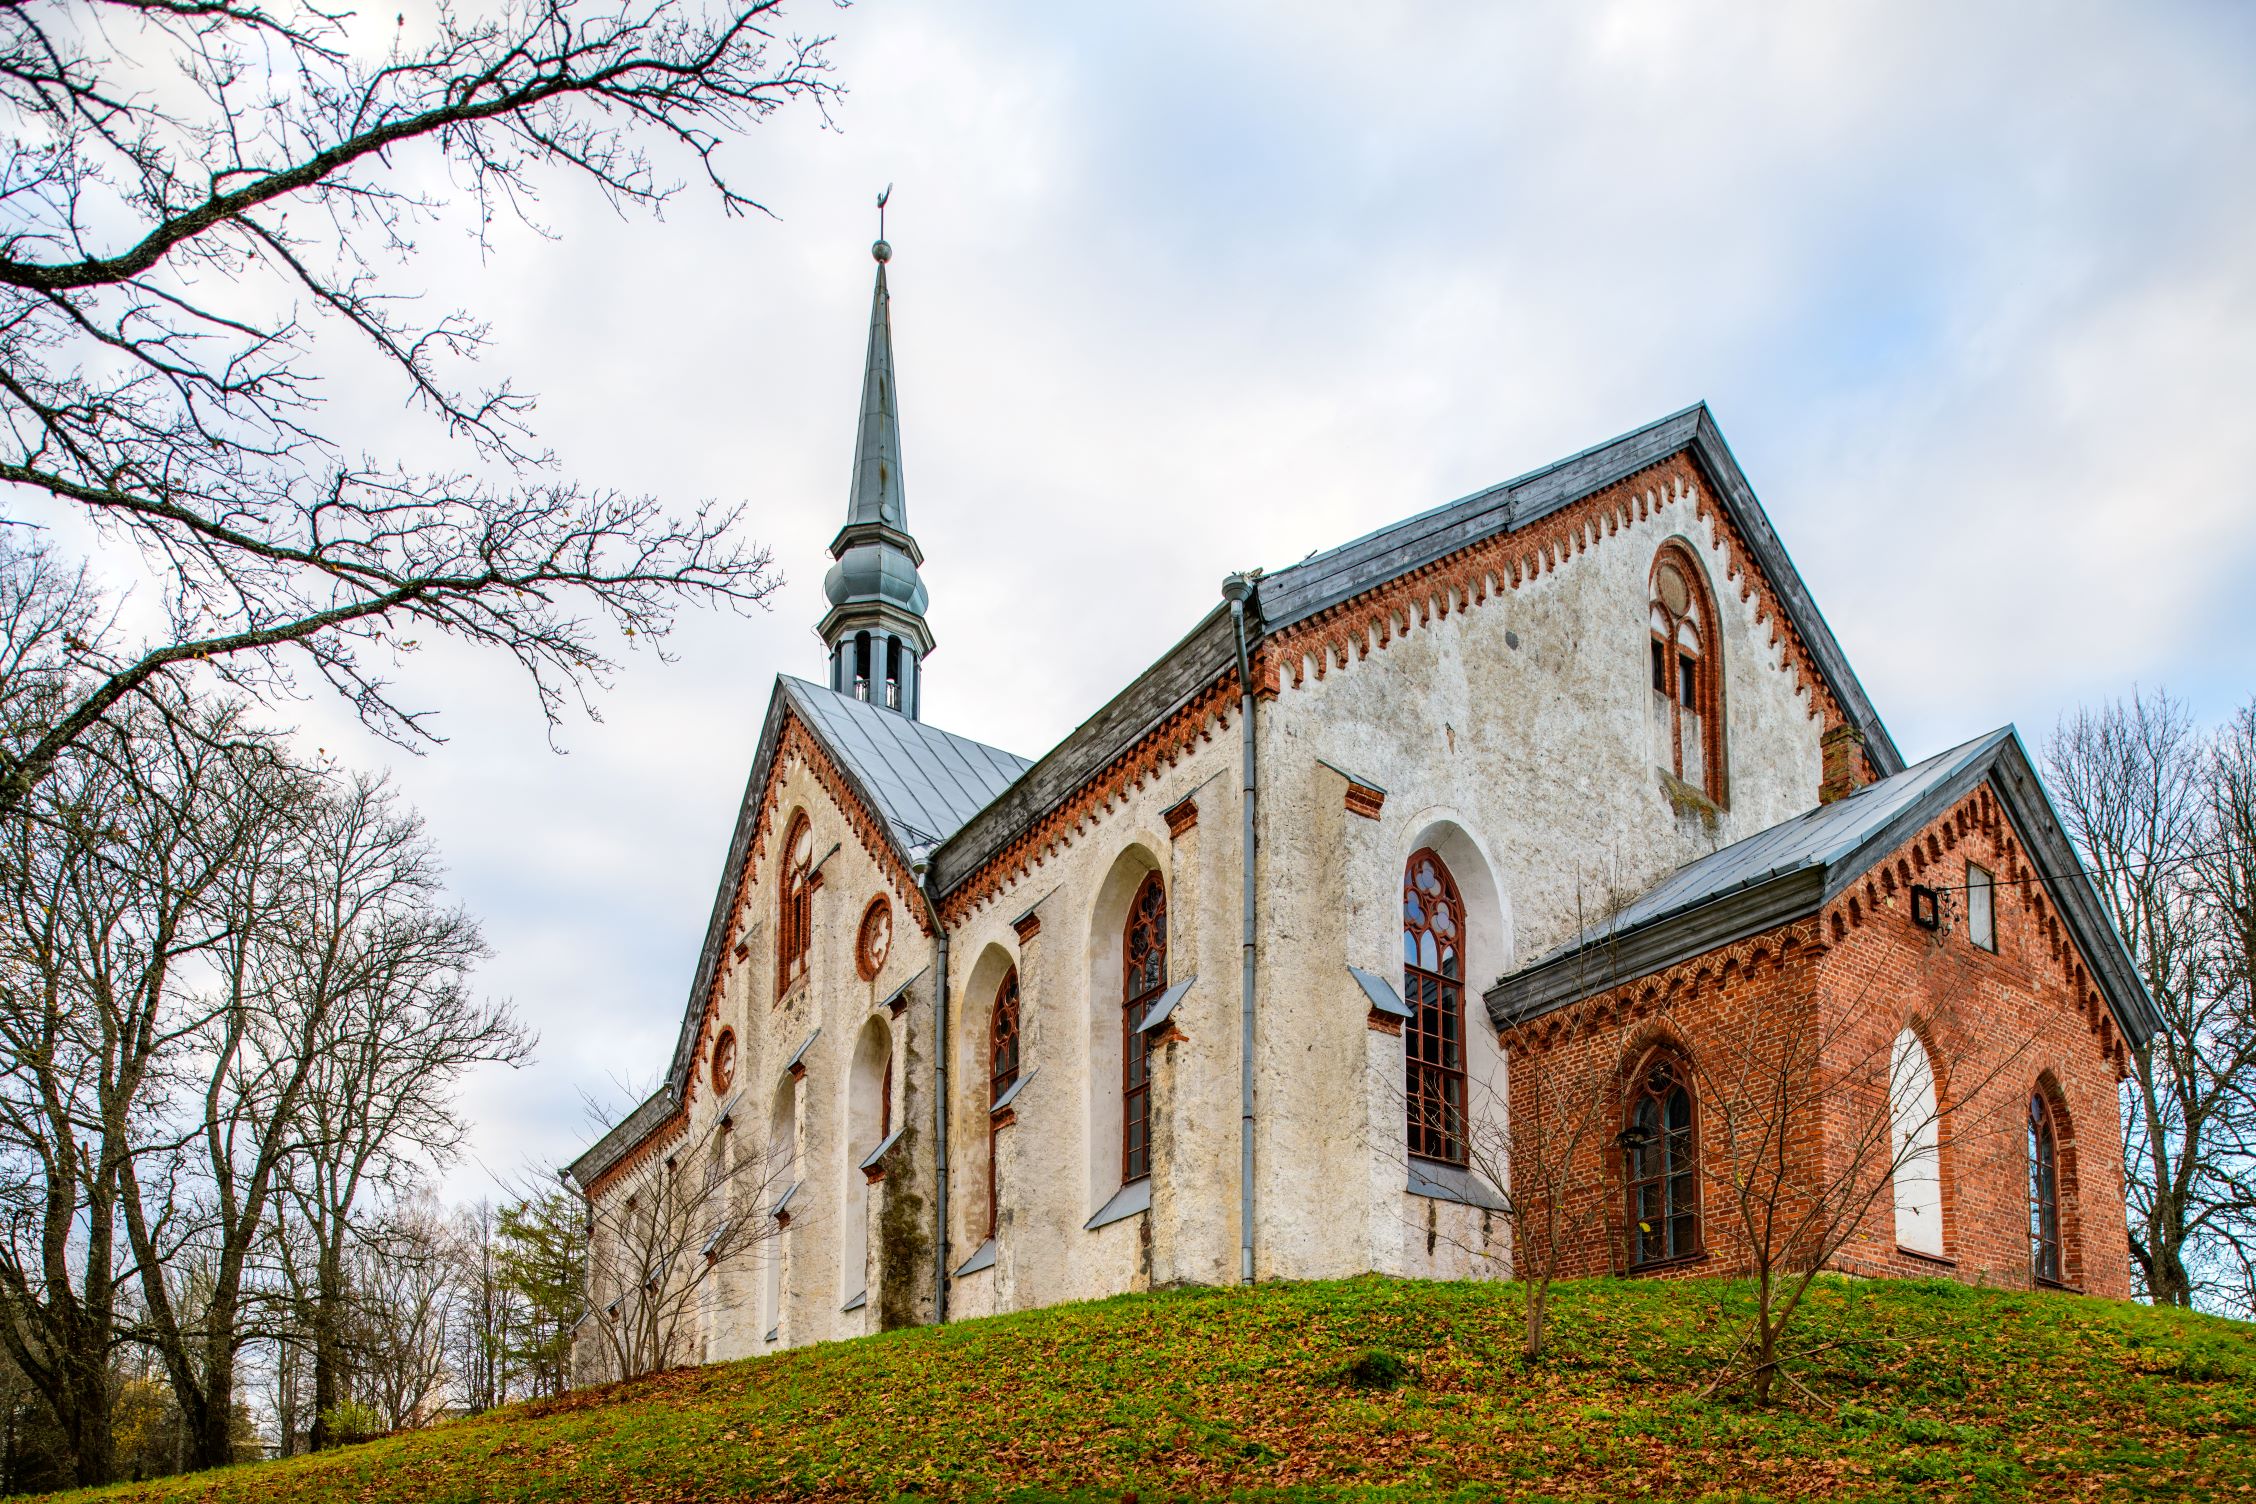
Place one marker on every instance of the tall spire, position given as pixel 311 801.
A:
pixel 875 628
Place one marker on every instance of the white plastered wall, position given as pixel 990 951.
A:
pixel 1517 729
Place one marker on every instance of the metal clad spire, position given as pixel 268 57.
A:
pixel 875 628
pixel 877 495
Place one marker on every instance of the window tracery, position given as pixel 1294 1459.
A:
pixel 1682 658
pixel 1002 1074
pixel 1143 978
pixel 1433 947
pixel 1660 1144
pixel 795 904
pixel 2044 1191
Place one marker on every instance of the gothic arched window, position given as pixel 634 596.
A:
pixel 795 904
pixel 1682 648
pixel 2044 1191
pixel 1143 971
pixel 1433 976
pixel 1660 1143
pixel 1002 1074
pixel 1915 1139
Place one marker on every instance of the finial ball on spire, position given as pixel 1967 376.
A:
pixel 883 251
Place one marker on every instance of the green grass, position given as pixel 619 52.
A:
pixel 1922 1390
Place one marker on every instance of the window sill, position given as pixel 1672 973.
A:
pixel 983 1259
pixel 1691 799
pixel 1445 1182
pixel 1665 1266
pixel 1939 1260
pixel 1126 1202
pixel 856 1304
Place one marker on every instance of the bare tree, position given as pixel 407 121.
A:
pixel 2131 780
pixel 110 893
pixel 1530 1143
pixel 379 1103
pixel 1537 1155
pixel 339 1026
pixel 659 1239
pixel 196 193
pixel 2223 880
pixel 1805 1126
pixel 489 1314
pixel 406 1298
pixel 201 1192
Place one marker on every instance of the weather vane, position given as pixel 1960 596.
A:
pixel 881 250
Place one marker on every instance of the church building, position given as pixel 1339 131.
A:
pixel 1554 808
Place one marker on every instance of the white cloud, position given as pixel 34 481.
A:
pixel 1181 289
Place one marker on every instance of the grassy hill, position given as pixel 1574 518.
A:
pixel 1927 1390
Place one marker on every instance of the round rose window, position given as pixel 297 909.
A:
pixel 724 1060
pixel 876 939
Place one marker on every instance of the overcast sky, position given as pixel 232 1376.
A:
pixel 1184 288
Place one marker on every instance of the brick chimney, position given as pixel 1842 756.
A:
pixel 1842 746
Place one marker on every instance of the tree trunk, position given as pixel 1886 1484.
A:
pixel 328 1346
pixel 1766 1340
pixel 1538 1301
pixel 84 1410
pixel 211 1421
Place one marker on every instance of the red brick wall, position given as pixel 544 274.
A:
pixel 1996 1027
pixel 1573 1066
pixel 1831 994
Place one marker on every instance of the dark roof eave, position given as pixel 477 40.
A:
pixel 629 1131
pixel 1204 653
pixel 1340 574
pixel 1615 959
pixel 2015 778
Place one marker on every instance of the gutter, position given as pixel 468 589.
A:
pixel 1237 590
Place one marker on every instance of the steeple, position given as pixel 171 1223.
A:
pixel 875 627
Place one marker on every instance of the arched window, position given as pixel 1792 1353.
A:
pixel 1433 976
pixel 1687 729
pixel 869 1122
pixel 2044 1191
pixel 795 904
pixel 1002 1074
pixel 1915 1142
pixel 783 1176
pixel 1143 977
pixel 1660 1157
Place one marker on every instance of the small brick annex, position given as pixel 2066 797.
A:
pixel 1998 1027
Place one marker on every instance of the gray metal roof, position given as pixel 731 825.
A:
pixel 1825 837
pixel 925 782
pixel 921 781
pixel 1797 866
pixel 1291 594
pixel 1295 593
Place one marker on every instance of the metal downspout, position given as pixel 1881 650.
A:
pixel 924 876
pixel 1237 589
